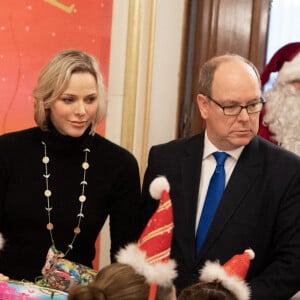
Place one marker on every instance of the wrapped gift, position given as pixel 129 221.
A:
pixel 19 290
pixel 61 274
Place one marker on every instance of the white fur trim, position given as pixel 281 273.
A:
pixel 159 273
pixel 284 123
pixel 157 186
pixel 213 271
pixel 251 253
pixel 290 70
pixel 1 241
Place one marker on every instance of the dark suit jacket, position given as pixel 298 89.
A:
pixel 260 209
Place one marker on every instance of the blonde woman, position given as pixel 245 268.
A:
pixel 60 181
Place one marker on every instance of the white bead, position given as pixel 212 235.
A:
pixel 85 165
pixel 46 159
pixel 47 193
pixel 82 198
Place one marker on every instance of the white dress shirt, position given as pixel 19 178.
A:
pixel 208 166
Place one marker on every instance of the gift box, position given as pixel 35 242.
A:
pixel 19 290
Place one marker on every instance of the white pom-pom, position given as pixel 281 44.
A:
pixel 161 273
pixel 250 252
pixel 157 186
pixel 1 241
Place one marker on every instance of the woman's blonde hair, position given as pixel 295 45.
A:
pixel 118 281
pixel 54 79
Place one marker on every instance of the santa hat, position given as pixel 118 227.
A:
pixel 150 256
pixel 290 70
pixel 280 61
pixel 1 241
pixel 231 275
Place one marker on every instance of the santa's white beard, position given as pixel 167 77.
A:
pixel 283 116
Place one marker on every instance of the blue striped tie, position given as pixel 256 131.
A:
pixel 214 194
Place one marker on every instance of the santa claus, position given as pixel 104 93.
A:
pixel 279 120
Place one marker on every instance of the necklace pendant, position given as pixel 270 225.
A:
pixel 50 226
pixel 82 198
pixel 47 193
pixel 77 230
pixel 45 160
pixel 85 165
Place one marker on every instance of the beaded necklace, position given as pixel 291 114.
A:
pixel 48 193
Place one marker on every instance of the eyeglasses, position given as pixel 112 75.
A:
pixel 235 109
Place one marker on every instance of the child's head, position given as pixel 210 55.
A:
pixel 119 281
pixel 222 282
pixel 206 291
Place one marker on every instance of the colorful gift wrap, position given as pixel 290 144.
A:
pixel 19 290
pixel 60 273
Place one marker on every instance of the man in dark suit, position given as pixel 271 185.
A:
pixel 260 206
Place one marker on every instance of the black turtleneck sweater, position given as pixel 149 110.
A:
pixel 113 190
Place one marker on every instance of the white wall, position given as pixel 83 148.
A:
pixel 165 76
pixel 167 55
pixel 158 79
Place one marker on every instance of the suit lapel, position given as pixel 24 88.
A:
pixel 243 176
pixel 191 169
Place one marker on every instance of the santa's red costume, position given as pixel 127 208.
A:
pixel 279 120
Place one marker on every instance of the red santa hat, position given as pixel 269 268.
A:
pixel 150 256
pixel 282 59
pixel 231 275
